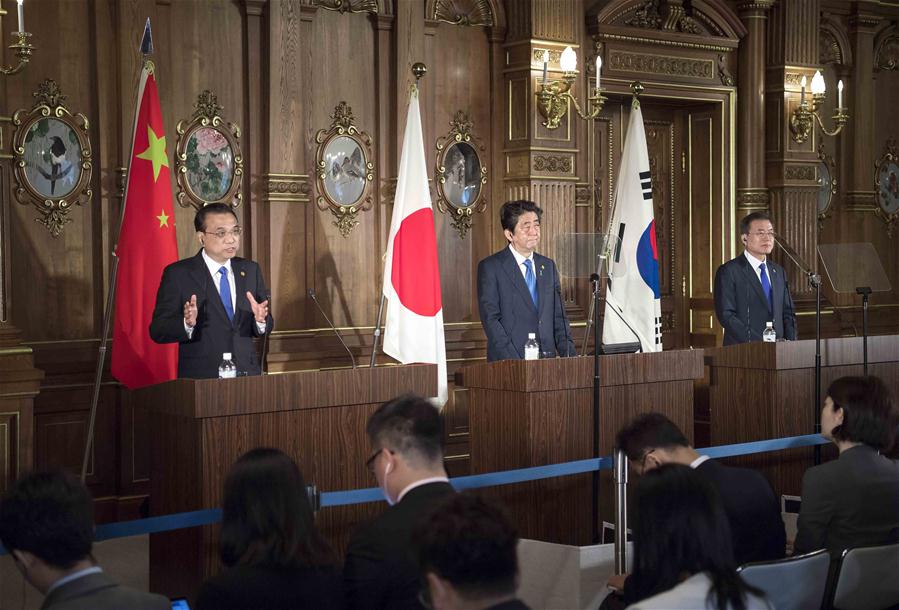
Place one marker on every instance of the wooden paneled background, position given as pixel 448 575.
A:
pixel 720 76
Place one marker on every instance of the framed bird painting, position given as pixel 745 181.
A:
pixel 460 175
pixel 345 169
pixel 52 157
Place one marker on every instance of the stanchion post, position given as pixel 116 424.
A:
pixel 620 512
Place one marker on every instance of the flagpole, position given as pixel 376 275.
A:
pixel 146 50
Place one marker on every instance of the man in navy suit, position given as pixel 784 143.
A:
pixel 519 291
pixel 751 290
pixel 212 303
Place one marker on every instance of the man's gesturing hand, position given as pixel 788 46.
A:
pixel 190 311
pixel 260 310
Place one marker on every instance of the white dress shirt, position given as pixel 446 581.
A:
pixel 520 260
pixel 756 263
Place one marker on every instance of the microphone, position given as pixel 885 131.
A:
pixel 311 293
pixel 266 297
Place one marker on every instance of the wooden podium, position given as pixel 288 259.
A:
pixel 539 412
pixel 759 391
pixel 198 428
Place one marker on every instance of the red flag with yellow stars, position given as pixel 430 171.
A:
pixel 146 245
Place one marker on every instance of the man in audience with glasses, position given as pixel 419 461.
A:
pixel 213 303
pixel 752 290
pixel 406 436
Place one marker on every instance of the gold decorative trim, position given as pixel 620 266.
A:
pixel 287 188
pixel 727 79
pixel 479 12
pixel 829 165
pixel 207 118
pixel 562 164
pixel 356 165
pixel 885 210
pixel 348 6
pixel 801 172
pixel 458 136
pixel 50 106
pixel 668 66
pixel 887 54
pixel 666 43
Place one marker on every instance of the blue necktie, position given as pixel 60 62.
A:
pixel 225 293
pixel 766 287
pixel 530 279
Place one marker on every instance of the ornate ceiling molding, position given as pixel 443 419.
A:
pixel 700 19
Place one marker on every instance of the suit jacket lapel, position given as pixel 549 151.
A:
pixel 514 272
pixel 203 277
pixel 777 287
pixel 544 285
pixel 754 281
pixel 240 285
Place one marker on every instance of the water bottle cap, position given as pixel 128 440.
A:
pixel 770 324
pixel 532 335
pixel 226 356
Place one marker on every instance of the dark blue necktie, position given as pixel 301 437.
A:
pixel 530 279
pixel 766 287
pixel 225 293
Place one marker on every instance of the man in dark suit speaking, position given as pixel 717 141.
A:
pixel 751 290
pixel 519 291
pixel 212 303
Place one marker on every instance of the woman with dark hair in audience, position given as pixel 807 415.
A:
pixel 683 555
pixel 854 500
pixel 274 556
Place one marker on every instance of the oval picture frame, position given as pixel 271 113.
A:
pixel 208 160
pixel 460 174
pixel 886 181
pixel 51 157
pixel 344 169
pixel 827 185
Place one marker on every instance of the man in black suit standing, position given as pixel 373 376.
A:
pixel 752 290
pixel 519 291
pixel 47 525
pixel 212 303
pixel 752 508
pixel 380 571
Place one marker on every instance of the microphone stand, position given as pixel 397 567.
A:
pixel 814 281
pixel 865 291
pixel 597 338
pixel 311 293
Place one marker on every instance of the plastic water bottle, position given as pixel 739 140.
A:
pixel 227 370
pixel 769 336
pixel 532 348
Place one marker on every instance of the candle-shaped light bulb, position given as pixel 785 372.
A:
pixel 802 89
pixel 819 87
pixel 21 11
pixel 545 63
pixel 598 69
pixel 839 95
pixel 568 61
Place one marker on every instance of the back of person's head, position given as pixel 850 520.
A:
pixel 469 543
pixel 266 515
pixel 411 426
pixel 50 515
pixel 681 529
pixel 649 431
pixel 869 413
pixel 513 210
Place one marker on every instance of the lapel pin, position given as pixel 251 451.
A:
pixel 243 273
pixel 541 269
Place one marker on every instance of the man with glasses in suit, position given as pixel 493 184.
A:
pixel 752 290
pixel 214 302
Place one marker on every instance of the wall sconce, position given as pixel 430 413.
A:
pixel 803 118
pixel 21 47
pixel 553 97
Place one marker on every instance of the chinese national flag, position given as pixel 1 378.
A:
pixel 146 245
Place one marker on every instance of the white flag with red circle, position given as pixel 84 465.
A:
pixel 413 331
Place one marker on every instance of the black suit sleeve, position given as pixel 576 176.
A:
pixel 815 513
pixel 362 576
pixel 488 305
pixel 561 328
pixel 726 304
pixel 789 312
pixel 167 325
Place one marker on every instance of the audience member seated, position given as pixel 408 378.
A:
pixel 406 437
pixel 750 503
pixel 853 500
pixel 275 558
pixel 47 525
pixel 467 551
pixel 683 557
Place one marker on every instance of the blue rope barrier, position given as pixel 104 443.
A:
pixel 155 525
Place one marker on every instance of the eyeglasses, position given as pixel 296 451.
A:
pixel 222 233
pixel 763 233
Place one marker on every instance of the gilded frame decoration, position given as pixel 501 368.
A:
pixel 460 174
pixel 827 185
pixel 208 160
pixel 51 157
pixel 344 169
pixel 886 182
